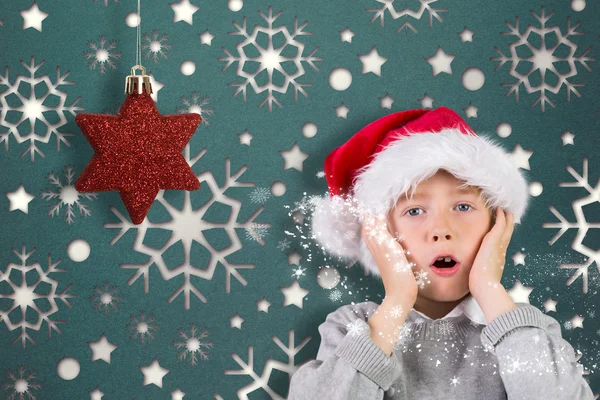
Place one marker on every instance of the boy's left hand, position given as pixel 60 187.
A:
pixel 488 265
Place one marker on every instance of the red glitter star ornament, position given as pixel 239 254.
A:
pixel 137 151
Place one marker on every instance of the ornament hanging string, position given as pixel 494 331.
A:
pixel 138 50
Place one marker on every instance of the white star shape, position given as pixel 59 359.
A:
pixel 519 258
pixel 293 157
pixel 346 35
pixel 550 305
pixel 177 394
pixel 19 199
pixel 156 86
pixel 206 37
pixel 440 62
pixel 236 321
pixel 386 101
pixel 577 321
pixel 426 101
pixel 154 373
pixel 184 11
pixel 96 394
pixel 471 111
pixel 294 294
pixel 341 111
pixel 101 349
pixel 521 157
pixel 294 258
pixel 263 305
pixel 33 17
pixel 245 137
pixel 466 35
pixel 567 138
pixel 372 62
pixel 520 293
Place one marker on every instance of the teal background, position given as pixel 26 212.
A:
pixel 406 76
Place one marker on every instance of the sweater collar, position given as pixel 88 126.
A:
pixel 468 307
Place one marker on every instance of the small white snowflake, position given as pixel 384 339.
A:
pixel 454 381
pixel 192 344
pixel 105 297
pixel 260 195
pixel 21 384
pixel 568 325
pixel 256 231
pixel 67 195
pixel 421 278
pixel 335 295
pixel 141 326
pixel 396 311
pixel 298 272
pixel 192 106
pixel 592 313
pixel 155 46
pixel 99 54
pixel 284 245
pixel 446 327
pixel 357 327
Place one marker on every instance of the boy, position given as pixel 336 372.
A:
pixel 446 328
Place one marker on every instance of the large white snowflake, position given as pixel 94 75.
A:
pixel 19 105
pixel 406 12
pixel 581 224
pixel 272 64
pixel 188 226
pixel 67 195
pixel 40 296
pixel 531 66
pixel 262 381
pixel 101 55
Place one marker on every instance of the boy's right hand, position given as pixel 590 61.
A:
pixel 394 268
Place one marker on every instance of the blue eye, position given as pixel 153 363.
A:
pixel 417 208
pixel 463 204
pixel 408 212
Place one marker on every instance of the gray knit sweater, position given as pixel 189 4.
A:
pixel 519 355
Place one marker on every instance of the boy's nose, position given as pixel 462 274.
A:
pixel 441 234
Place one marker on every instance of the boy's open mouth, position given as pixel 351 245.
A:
pixel 444 262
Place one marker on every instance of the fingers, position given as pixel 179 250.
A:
pixel 509 228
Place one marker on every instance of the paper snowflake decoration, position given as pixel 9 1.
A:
pixel 36 102
pixel 536 66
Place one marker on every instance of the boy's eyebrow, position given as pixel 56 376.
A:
pixel 426 195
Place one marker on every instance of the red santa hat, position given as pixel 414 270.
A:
pixel 393 154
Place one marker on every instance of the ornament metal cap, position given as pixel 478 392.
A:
pixel 137 83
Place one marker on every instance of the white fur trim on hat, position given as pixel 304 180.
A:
pixel 404 163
